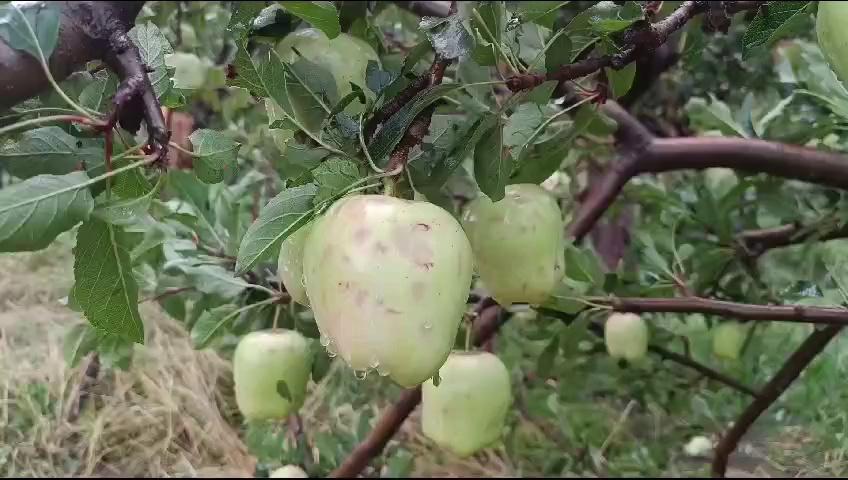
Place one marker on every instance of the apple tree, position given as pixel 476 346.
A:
pixel 385 184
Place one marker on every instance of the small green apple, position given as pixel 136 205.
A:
pixel 344 57
pixel 261 360
pixel 626 336
pixel 388 280
pixel 290 265
pixel 831 22
pixel 728 338
pixel 467 411
pixel 288 471
pixel 518 243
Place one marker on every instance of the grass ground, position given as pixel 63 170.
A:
pixel 171 413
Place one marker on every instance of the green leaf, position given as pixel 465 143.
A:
pixel 320 364
pixel 283 215
pixel 377 79
pixel 29 26
pixel 105 287
pixel 621 80
pixel 47 150
pixel 283 390
pixel 448 157
pixel 34 212
pixel 715 115
pixel 775 20
pixel 582 265
pixel 214 153
pixel 321 15
pixel 153 46
pixel 246 75
pixel 607 17
pixel 123 211
pixel 558 54
pixel 333 176
pixel 492 165
pixel 521 124
pixel 190 71
pixel 209 325
pixel 546 360
pixel 566 300
pixel 97 94
pixel 293 102
pixel 80 340
pixel 242 17
pixel 394 128
pixel 540 12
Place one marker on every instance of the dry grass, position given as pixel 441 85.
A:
pixel 161 418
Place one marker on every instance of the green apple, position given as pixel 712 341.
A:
pixel 290 265
pixel 626 336
pixel 344 57
pixel 831 22
pixel 388 280
pixel 518 243
pixel 728 338
pixel 288 471
pixel 261 360
pixel 467 411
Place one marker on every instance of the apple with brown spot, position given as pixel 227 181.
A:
pixel 388 280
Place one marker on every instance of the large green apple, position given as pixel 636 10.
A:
pixel 263 359
pixel 518 243
pixel 466 412
pixel 388 280
pixel 626 336
pixel 728 338
pixel 288 471
pixel 344 57
pixel 831 23
pixel 290 265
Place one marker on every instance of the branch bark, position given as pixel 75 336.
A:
pixel 757 242
pixel 665 155
pixel 741 311
pixel 488 322
pixel 812 346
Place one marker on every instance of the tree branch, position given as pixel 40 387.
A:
pixel 757 242
pixel 488 322
pixel 812 346
pixel 741 311
pixel 664 155
pixel 427 9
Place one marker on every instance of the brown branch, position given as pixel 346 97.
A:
pixel 427 8
pixel 488 322
pixel 640 39
pixel 757 242
pixel 792 368
pixel 664 155
pixel 741 311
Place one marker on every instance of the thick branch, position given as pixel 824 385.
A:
pixel 741 311
pixel 756 242
pixel 485 326
pixel 83 36
pixel 812 346
pixel 754 156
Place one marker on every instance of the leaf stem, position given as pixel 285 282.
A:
pixel 492 39
pixel 52 118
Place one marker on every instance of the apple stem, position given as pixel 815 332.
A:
pixel 276 317
pixel 467 333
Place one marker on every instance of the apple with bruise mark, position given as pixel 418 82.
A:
pixel 728 338
pixel 288 471
pixel 831 22
pixel 626 336
pixel 518 243
pixel 261 361
pixel 290 265
pixel 467 411
pixel 388 280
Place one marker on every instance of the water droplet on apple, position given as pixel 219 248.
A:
pixel 375 363
pixel 383 371
pixel 360 374
pixel 428 325
pixel 325 340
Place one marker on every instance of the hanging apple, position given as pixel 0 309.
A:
pixel 288 471
pixel 831 20
pixel 388 280
pixel 270 370
pixel 728 338
pixel 345 57
pixel 518 243
pixel 290 265
pixel 467 411
pixel 626 336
